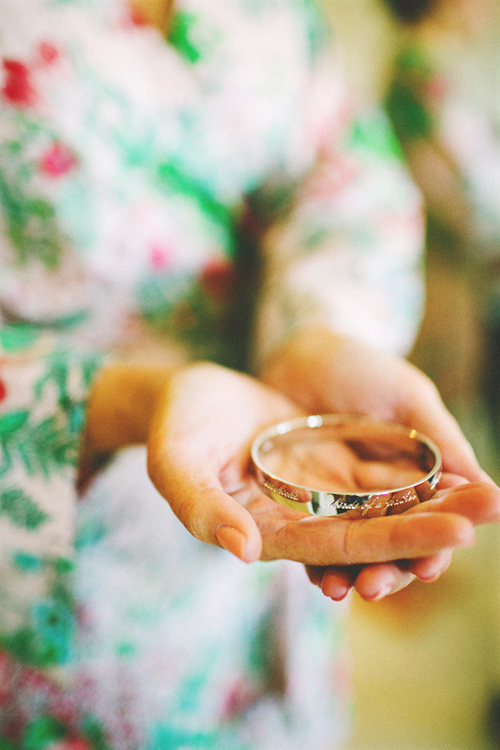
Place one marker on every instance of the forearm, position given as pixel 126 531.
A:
pixel 442 185
pixel 121 404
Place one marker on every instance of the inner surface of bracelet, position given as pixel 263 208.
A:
pixel 342 464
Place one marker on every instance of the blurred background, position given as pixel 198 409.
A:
pixel 426 661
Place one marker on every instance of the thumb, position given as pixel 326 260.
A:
pixel 233 527
pixel 207 512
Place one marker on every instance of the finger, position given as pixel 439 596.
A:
pixel 480 503
pixel 375 582
pixel 426 412
pixel 199 439
pixel 449 480
pixel 198 500
pixel 315 574
pixel 323 541
pixel 429 569
pixel 337 582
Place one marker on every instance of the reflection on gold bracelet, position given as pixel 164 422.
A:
pixel 351 446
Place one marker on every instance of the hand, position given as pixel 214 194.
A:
pixel 198 458
pixel 323 372
pixel 375 581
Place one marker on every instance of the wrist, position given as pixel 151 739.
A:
pixel 301 368
pixel 121 405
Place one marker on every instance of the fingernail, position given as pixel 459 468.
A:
pixel 380 594
pixel 430 577
pixel 431 573
pixel 232 540
pixel 335 591
pixel 340 594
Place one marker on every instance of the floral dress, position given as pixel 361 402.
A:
pixel 433 99
pixel 156 195
pixel 429 98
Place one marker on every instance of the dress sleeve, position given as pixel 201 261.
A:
pixel 347 254
pixel 43 389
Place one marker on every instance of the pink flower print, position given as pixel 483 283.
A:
pixel 4 677
pixel 217 277
pixel 159 257
pixel 47 53
pixel 436 88
pixel 69 744
pixel 3 390
pixel 334 173
pixel 18 89
pixel 57 160
pixel 238 698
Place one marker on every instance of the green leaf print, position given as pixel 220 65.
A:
pixel 94 733
pixel 26 562
pixel 14 338
pixel 28 646
pixel 21 509
pixel 31 222
pixel 177 739
pixel 57 373
pixel 177 306
pixel 174 179
pixel 90 367
pixel 59 368
pixel 373 134
pixel 49 448
pixel 180 36
pixel 405 101
pixel 46 639
pixel 50 444
pixel 31 225
pixel 12 422
pixel 44 447
pixel 43 732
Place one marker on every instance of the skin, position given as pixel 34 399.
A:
pixel 198 422
pixel 338 374
pixel 463 20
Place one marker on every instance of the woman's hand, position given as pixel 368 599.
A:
pixel 323 372
pixel 198 458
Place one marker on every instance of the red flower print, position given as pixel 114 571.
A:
pixel 217 278
pixel 159 257
pixel 3 390
pixel 57 160
pixel 133 17
pixel 436 88
pixel 18 88
pixel 137 18
pixel 48 54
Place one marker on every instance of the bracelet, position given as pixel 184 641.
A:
pixel 386 467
